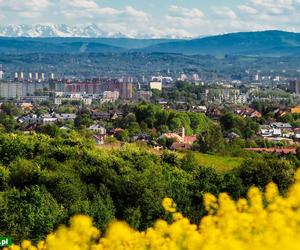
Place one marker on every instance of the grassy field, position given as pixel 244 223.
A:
pixel 220 163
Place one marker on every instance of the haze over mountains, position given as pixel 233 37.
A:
pixel 264 43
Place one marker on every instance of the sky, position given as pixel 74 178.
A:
pixel 159 18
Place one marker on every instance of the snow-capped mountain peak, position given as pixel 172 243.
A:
pixel 62 30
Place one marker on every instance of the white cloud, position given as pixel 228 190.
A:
pixel 247 9
pixel 30 5
pixel 185 12
pixel 85 4
pixel 29 9
pixel 130 11
pixel 224 12
pixel 173 20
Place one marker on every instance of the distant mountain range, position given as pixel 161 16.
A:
pixel 264 43
pixel 63 30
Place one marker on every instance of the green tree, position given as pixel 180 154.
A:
pixel 211 140
pixel 259 172
pixel 24 173
pixel 29 214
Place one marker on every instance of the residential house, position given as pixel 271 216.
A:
pixel 297 134
pixel 142 137
pixel 295 110
pixel 99 139
pixel 281 125
pixel 65 117
pixel 101 116
pixel 100 133
pixel 270 132
pixel 200 109
pixel 27 119
pixel 248 112
pixel 115 131
pixel 26 107
pixel 107 116
pixel 181 140
pixel 232 136
pixel 96 128
pixel 46 119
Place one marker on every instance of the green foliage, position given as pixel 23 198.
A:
pixel 211 140
pixel 10 109
pixel 8 122
pixel 245 127
pixel 4 178
pixel 260 172
pixel 50 129
pixel 170 157
pixel 23 173
pixel 44 180
pixel 148 116
pixel 83 119
pixel 30 213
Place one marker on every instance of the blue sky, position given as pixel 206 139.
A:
pixel 160 18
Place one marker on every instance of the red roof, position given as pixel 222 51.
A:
pixel 274 150
pixel 117 130
pixel 190 139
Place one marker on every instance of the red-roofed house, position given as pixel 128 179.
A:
pixel 183 142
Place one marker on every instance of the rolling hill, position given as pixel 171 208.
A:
pixel 27 46
pixel 265 43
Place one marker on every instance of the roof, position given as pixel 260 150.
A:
pixel 173 135
pixel 190 139
pixel 66 116
pixel 281 125
pixel 295 110
pixel 274 150
pixel 271 131
pixel 96 126
pixel 117 130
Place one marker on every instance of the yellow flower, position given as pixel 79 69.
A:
pixel 169 205
pixel 264 221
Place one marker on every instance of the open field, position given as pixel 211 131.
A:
pixel 220 163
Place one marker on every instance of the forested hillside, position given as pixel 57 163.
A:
pixel 46 180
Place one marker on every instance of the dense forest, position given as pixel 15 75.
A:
pixel 138 64
pixel 46 179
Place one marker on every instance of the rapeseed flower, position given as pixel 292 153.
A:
pixel 263 221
